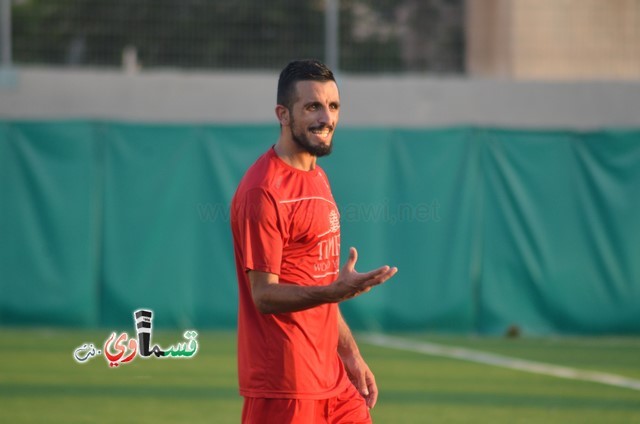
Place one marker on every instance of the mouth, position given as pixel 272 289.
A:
pixel 322 132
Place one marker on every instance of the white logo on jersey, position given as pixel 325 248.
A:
pixel 334 222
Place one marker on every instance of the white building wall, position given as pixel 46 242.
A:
pixel 404 101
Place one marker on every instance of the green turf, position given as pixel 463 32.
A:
pixel 417 389
pixel 41 383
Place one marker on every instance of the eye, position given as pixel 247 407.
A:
pixel 334 106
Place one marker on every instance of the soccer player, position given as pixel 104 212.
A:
pixel 297 359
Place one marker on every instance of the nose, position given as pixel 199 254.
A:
pixel 325 116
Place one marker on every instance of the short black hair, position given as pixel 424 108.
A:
pixel 300 70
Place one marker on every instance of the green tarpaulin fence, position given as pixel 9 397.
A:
pixel 489 227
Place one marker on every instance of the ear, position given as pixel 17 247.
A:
pixel 282 113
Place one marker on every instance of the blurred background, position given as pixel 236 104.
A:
pixel 488 148
pixel 567 39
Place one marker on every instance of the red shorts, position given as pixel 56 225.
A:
pixel 348 407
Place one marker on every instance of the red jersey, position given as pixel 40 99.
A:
pixel 285 221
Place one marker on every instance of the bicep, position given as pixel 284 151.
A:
pixel 260 279
pixel 260 282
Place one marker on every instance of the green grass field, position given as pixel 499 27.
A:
pixel 41 383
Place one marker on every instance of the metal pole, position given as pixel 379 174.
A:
pixel 5 33
pixel 331 48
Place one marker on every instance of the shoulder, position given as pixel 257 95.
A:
pixel 259 179
pixel 259 173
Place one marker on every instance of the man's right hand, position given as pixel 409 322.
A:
pixel 351 283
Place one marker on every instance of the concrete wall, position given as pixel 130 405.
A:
pixel 554 39
pixel 412 101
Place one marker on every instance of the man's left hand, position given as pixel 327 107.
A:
pixel 362 378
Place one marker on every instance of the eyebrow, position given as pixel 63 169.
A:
pixel 316 102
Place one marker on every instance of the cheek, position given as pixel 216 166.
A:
pixel 304 122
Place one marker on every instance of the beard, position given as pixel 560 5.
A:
pixel 301 139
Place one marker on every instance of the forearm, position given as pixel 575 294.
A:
pixel 358 371
pixel 277 298
pixel 272 296
pixel 347 346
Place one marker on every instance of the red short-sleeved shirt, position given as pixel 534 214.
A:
pixel 285 221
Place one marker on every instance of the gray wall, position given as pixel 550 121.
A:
pixel 413 101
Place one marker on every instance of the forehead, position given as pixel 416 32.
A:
pixel 326 91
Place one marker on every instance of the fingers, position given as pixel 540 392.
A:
pixel 372 387
pixel 362 379
pixel 383 273
pixel 364 391
pixel 351 283
pixel 350 265
pixel 378 276
pixel 361 386
pixel 367 387
pixel 376 273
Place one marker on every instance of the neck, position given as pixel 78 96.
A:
pixel 293 155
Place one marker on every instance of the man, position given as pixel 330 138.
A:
pixel 297 359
